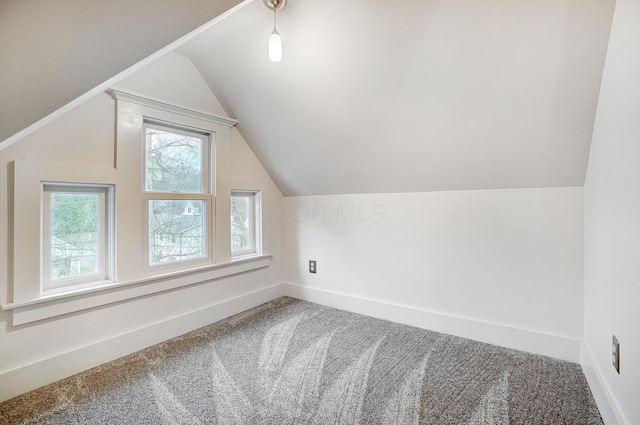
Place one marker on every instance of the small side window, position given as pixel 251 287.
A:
pixel 245 223
pixel 77 235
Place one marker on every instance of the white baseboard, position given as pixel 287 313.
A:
pixel 27 378
pixel 519 339
pixel 609 411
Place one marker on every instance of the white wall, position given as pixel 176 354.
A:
pixel 612 220
pixel 34 354
pixel 511 258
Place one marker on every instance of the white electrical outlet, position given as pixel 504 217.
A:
pixel 312 266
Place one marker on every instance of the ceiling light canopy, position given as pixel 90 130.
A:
pixel 275 41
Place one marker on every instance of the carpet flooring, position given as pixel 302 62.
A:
pixel 294 362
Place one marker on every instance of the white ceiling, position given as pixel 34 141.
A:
pixel 413 95
pixel 55 51
pixel 371 96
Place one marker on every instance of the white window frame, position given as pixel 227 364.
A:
pixel 130 278
pixel 106 217
pixel 255 222
pixel 205 195
pixel 28 180
pixel 208 146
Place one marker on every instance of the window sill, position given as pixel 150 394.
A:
pixel 243 256
pixel 48 306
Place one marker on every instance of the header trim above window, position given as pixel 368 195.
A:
pixel 157 104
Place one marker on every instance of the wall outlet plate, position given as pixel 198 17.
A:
pixel 615 353
pixel 312 266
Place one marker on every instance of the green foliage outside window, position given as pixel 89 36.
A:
pixel 74 234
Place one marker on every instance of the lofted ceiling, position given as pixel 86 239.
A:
pixel 371 96
pixel 413 95
pixel 55 51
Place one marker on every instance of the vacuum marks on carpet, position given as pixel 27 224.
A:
pixel 293 362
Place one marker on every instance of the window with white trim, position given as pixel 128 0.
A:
pixel 245 222
pixel 177 194
pixel 77 235
pixel 155 183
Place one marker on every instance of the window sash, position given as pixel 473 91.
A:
pixel 104 236
pixel 182 231
pixel 252 224
pixel 154 240
pixel 206 160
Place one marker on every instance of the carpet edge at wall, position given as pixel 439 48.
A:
pixel 559 347
pixel 48 370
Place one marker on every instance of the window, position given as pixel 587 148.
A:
pixel 77 234
pixel 165 212
pixel 177 193
pixel 245 222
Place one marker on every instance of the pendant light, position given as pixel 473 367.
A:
pixel 275 41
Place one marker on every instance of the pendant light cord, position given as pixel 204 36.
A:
pixel 275 19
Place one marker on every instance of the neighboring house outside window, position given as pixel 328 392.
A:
pixel 177 193
pixel 141 225
pixel 77 235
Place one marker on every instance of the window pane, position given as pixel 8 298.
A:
pixel 173 161
pixel 176 230
pixel 242 223
pixel 75 234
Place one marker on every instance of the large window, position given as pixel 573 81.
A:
pixel 245 222
pixel 95 248
pixel 77 234
pixel 177 192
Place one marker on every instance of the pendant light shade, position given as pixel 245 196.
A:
pixel 275 41
pixel 275 47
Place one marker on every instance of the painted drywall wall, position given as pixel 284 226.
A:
pixel 511 257
pixel 51 52
pixel 86 136
pixel 612 219
pixel 190 90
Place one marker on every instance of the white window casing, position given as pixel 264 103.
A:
pixel 93 265
pixel 126 273
pixel 246 231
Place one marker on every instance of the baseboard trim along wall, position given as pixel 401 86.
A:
pixel 29 377
pixel 519 339
pixel 609 411
pixel 563 348
pixel 35 375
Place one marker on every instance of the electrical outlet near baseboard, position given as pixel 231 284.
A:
pixel 312 266
pixel 615 354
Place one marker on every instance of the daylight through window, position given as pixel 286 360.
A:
pixel 244 222
pixel 76 234
pixel 178 193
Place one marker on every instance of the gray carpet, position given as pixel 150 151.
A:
pixel 293 362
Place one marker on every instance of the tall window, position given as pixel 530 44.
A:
pixel 177 192
pixel 77 234
pixel 245 222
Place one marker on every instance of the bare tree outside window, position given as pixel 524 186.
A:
pixel 240 226
pixel 174 166
pixel 173 162
pixel 244 225
pixel 174 233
